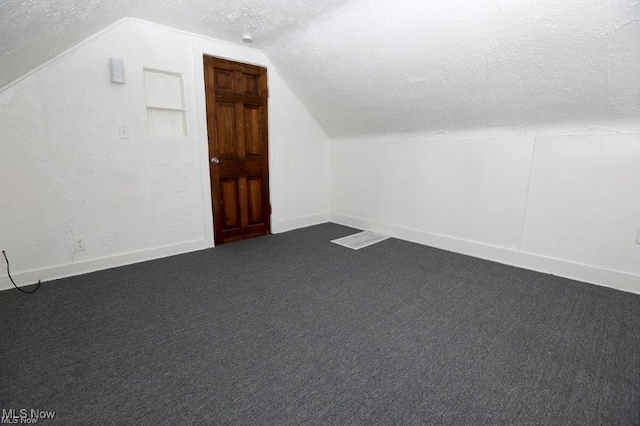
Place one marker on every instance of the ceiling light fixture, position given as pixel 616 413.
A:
pixel 247 38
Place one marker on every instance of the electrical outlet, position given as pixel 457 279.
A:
pixel 638 237
pixel 79 244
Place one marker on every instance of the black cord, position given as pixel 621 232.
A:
pixel 14 283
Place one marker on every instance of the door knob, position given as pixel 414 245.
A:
pixel 215 160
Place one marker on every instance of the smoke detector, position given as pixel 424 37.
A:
pixel 247 38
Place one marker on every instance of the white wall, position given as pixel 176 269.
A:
pixel 298 147
pixel 65 173
pixel 553 200
pixel 563 201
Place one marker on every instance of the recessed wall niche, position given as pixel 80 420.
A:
pixel 165 103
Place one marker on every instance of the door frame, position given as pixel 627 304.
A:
pixel 213 48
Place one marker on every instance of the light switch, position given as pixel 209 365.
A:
pixel 124 132
pixel 638 237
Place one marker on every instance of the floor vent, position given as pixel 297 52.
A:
pixel 360 240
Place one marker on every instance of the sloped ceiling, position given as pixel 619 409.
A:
pixel 34 31
pixel 379 66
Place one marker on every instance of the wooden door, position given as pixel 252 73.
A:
pixel 236 96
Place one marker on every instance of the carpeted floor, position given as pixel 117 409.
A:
pixel 292 329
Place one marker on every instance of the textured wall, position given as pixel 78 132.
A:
pixel 71 175
pixel 65 173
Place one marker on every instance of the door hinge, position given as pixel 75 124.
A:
pixel 270 209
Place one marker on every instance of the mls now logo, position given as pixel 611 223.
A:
pixel 24 416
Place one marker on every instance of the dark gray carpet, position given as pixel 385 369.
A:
pixel 292 329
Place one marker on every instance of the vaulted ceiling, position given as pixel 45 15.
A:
pixel 379 66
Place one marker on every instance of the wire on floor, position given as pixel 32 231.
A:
pixel 13 282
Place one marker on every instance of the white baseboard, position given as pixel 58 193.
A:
pixel 68 270
pixel 62 271
pixel 577 271
pixel 300 222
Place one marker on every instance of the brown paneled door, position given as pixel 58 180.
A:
pixel 236 97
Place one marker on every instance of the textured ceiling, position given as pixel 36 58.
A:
pixel 378 66
pixel 34 31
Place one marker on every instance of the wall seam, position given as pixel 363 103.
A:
pixel 526 202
